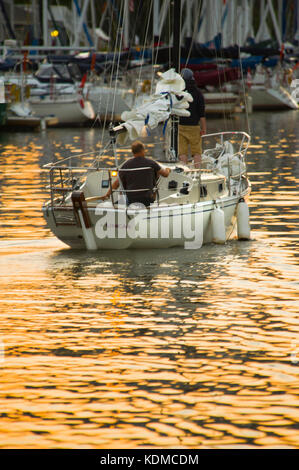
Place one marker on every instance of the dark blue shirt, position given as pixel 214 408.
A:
pixel 196 108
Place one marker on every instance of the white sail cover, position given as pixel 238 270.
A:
pixel 168 99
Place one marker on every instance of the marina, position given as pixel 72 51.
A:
pixel 152 347
pixel 116 335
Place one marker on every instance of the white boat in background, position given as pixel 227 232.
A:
pixel 221 103
pixel 62 102
pixel 20 114
pixel 109 102
pixel 122 94
pixel 63 98
pixel 70 109
pixel 62 109
pixel 108 98
pixel 268 92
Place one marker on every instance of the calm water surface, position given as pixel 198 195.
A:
pixel 172 349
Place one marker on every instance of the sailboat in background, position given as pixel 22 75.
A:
pixel 193 206
pixel 41 97
pixel 268 89
pixel 68 108
pixel 2 103
pixel 213 31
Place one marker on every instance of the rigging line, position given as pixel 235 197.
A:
pixel 125 13
pixel 110 88
pixel 79 12
pixel 154 62
pixel 169 35
pixel 98 116
pixel 155 55
pixel 244 91
pixel 117 51
pixel 225 117
pixel 195 30
pixel 55 25
pixel 144 45
pixel 229 117
pixel 105 68
pixel 101 153
pixel 136 22
pixel 146 35
pixel 6 18
pixel 65 29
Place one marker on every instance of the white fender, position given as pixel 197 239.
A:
pixel 243 220
pixel 218 226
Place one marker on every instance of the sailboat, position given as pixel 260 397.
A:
pixel 64 100
pixel 2 103
pixel 193 206
pixel 268 91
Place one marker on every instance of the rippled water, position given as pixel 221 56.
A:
pixel 152 348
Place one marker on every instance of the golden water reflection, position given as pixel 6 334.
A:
pixel 149 348
pixel 198 357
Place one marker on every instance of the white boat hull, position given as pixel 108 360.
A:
pixel 152 224
pixel 66 110
pixel 192 207
pixel 272 98
pixel 219 103
pixel 109 103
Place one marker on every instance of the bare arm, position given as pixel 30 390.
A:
pixel 203 126
pixel 164 172
pixel 115 185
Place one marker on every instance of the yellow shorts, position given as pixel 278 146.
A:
pixel 189 137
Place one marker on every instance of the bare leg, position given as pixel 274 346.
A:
pixel 184 159
pixel 197 160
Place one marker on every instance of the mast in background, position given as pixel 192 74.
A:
pixel 176 14
pixel 45 22
pixel 7 21
pixel 156 21
pixel 126 25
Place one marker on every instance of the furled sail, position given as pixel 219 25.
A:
pixel 169 99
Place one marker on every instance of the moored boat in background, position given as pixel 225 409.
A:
pixel 268 91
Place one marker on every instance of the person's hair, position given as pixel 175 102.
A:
pixel 137 147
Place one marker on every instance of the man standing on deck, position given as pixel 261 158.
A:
pixel 139 183
pixel 191 128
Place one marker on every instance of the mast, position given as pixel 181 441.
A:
pixel 156 21
pixel 126 24
pixel 296 18
pixel 81 23
pixel 176 63
pixel 8 25
pixel 176 34
pixel 45 23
